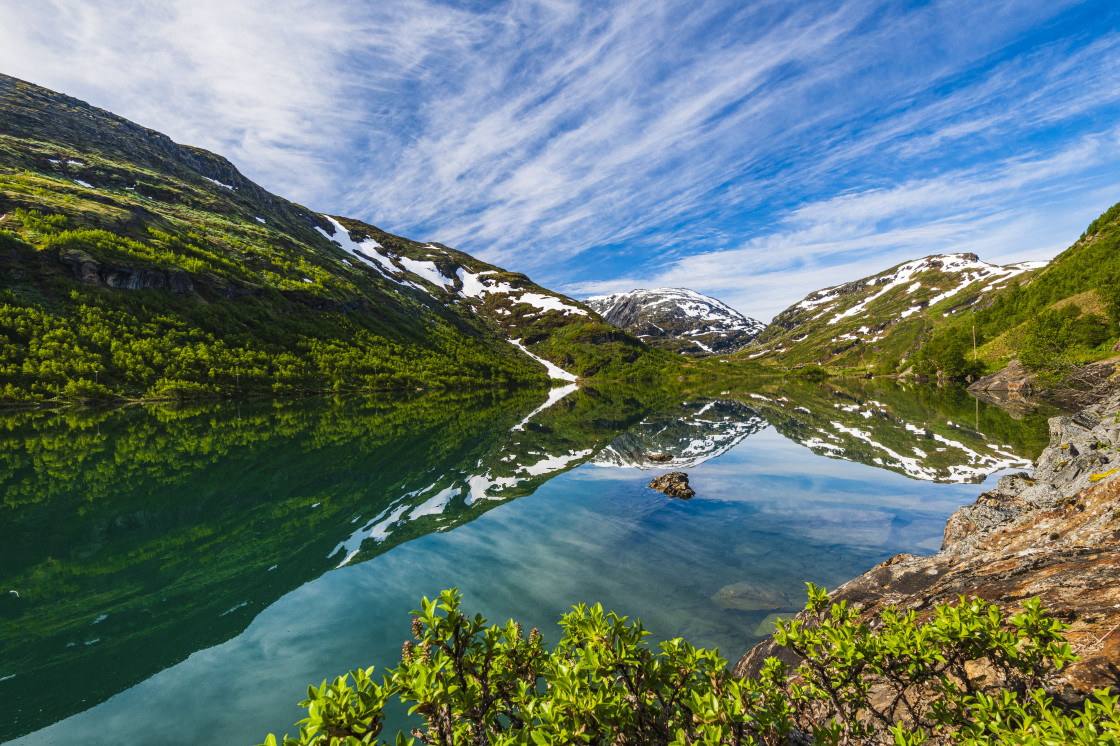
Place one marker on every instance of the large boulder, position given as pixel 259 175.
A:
pixel 673 484
pixel 1014 378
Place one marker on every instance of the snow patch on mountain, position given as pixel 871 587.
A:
pixel 555 372
pixel 475 285
pixel 427 270
pixel 366 251
pixel 967 266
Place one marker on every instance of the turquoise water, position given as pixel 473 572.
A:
pixel 188 587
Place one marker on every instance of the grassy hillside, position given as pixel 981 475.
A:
pixel 135 267
pixel 1064 315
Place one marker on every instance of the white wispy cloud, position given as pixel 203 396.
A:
pixel 993 212
pixel 264 83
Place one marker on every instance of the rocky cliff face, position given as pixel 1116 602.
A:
pixel 1054 534
pixel 1019 391
pixel 678 319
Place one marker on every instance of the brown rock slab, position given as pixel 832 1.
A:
pixel 1054 534
pixel 673 484
pixel 1014 378
pixel 1077 576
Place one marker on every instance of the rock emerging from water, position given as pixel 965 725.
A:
pixel 673 484
pixel 659 457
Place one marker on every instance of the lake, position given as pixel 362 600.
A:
pixel 183 573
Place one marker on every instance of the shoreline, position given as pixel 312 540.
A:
pixel 1054 534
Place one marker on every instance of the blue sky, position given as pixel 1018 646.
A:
pixel 747 149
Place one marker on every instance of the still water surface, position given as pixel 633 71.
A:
pixel 183 574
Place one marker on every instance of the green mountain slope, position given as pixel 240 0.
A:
pixel 882 319
pixel 1065 315
pixel 136 267
pixel 954 316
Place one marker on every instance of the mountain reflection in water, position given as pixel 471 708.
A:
pixel 136 537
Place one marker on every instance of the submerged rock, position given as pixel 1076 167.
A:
pixel 673 484
pixel 755 596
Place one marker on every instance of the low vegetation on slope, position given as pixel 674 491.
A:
pixel 882 319
pixel 224 335
pixel 955 316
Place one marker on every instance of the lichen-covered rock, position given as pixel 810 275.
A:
pixel 673 484
pixel 991 509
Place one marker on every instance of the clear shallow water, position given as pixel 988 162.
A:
pixel 209 550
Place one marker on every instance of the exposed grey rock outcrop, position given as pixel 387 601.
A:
pixel 1018 390
pixel 124 277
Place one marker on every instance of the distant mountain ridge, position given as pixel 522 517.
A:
pixel 678 319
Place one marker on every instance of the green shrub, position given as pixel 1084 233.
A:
pixel 1052 335
pixel 811 372
pixel 949 354
pixel 903 683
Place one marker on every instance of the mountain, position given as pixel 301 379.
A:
pixel 956 317
pixel 1062 318
pixel 679 320
pixel 882 319
pixel 134 267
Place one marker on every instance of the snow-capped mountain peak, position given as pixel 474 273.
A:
pixel 678 319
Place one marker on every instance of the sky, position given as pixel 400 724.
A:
pixel 750 150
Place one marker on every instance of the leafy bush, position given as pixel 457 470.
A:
pixel 903 682
pixel 1052 335
pixel 811 372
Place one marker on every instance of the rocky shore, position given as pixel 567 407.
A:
pixel 1018 390
pixel 1054 534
